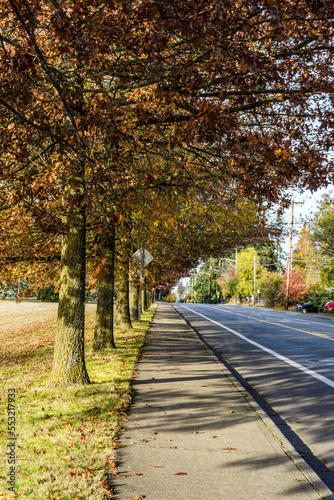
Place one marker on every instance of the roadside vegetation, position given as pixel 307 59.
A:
pixel 231 278
pixel 66 439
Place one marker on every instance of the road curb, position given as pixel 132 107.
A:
pixel 310 475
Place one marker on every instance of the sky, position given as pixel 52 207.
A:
pixel 305 204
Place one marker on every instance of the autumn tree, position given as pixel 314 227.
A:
pixel 306 258
pixel 298 290
pixel 229 95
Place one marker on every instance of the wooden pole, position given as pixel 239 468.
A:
pixel 288 271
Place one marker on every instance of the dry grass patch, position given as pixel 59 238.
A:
pixel 66 438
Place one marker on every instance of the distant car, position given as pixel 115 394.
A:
pixel 329 306
pixel 307 308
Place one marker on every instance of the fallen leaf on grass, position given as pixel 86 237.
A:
pixel 180 474
pixel 65 458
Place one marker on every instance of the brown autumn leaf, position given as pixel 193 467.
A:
pixel 229 448
pixel 231 411
pixel 213 437
pixel 180 474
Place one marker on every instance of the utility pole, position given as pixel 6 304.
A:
pixel 288 271
pixel 210 280
pixel 254 284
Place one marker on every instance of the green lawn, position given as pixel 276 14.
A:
pixel 65 438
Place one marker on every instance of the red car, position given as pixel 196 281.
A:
pixel 329 306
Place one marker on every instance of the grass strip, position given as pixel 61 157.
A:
pixel 66 439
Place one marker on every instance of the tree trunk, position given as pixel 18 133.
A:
pixel 104 328
pixel 69 358
pixel 145 301
pixel 122 318
pixel 133 297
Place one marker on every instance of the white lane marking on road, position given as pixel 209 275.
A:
pixel 289 361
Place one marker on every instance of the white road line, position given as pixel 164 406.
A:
pixel 289 361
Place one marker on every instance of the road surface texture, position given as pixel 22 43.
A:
pixel 194 433
pixel 286 361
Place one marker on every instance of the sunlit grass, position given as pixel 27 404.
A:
pixel 66 438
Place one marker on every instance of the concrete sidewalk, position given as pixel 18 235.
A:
pixel 192 432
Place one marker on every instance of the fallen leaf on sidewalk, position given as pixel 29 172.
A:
pixel 228 448
pixel 134 474
pixel 156 466
pixel 180 474
pixel 204 386
pixel 143 440
pixel 295 479
pixel 152 432
pixel 231 411
pixel 213 437
pixel 139 497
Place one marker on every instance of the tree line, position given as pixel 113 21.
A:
pixel 172 125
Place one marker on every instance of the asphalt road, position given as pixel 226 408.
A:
pixel 288 358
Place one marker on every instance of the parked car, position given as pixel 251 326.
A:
pixel 307 308
pixel 299 306
pixel 329 306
